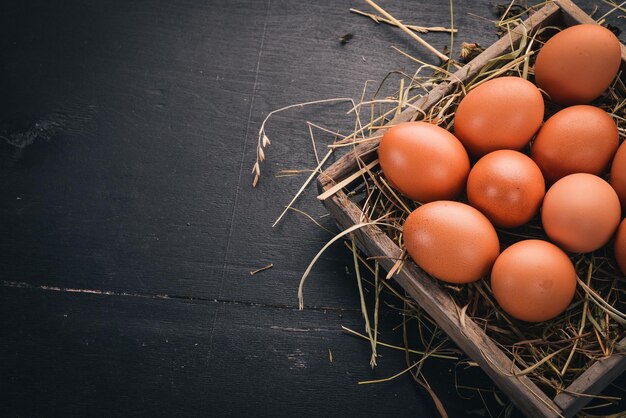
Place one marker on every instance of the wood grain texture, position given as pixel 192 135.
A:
pixel 133 196
pixel 142 356
pixel 593 381
pixel 139 188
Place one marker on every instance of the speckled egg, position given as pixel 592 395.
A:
pixel 423 161
pixel 506 186
pixel 580 212
pixel 578 139
pixel 451 241
pixel 577 64
pixel 533 280
pixel 503 113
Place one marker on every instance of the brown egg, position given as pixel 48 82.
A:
pixel 503 113
pixel 423 161
pixel 506 186
pixel 578 139
pixel 577 64
pixel 580 212
pixel 620 246
pixel 533 280
pixel 618 174
pixel 451 241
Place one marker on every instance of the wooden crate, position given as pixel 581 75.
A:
pixel 426 291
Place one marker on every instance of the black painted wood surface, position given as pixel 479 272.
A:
pixel 129 225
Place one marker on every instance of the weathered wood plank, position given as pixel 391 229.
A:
pixel 141 192
pixel 83 354
pixel 591 382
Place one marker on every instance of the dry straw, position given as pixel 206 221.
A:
pixel 552 353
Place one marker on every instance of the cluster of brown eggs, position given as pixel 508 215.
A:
pixel 533 280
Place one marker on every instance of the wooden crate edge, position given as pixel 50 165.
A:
pixel 426 291
pixel 601 373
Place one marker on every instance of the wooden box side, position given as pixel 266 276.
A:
pixel 426 291
pixel 439 305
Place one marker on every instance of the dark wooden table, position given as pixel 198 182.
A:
pixel 129 226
